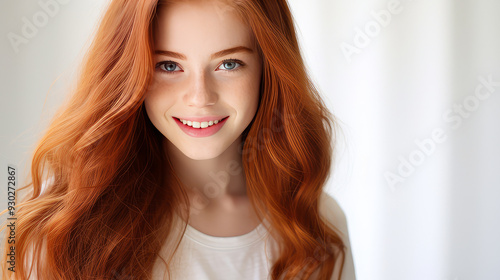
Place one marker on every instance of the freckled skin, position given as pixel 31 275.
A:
pixel 201 86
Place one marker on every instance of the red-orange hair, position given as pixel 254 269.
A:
pixel 109 204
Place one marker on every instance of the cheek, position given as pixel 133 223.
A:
pixel 246 100
pixel 254 89
pixel 155 104
pixel 149 101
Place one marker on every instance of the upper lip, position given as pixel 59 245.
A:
pixel 201 119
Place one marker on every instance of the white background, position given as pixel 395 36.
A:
pixel 442 222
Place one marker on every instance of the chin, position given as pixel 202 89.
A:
pixel 201 155
pixel 201 152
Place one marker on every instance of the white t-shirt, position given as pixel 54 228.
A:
pixel 245 257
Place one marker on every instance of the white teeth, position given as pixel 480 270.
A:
pixel 199 124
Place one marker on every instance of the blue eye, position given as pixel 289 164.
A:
pixel 230 64
pixel 170 67
pixel 167 69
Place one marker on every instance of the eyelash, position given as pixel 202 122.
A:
pixel 223 62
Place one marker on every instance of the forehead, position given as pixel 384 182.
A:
pixel 209 25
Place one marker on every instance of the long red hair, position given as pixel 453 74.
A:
pixel 109 203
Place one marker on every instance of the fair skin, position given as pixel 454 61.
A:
pixel 197 84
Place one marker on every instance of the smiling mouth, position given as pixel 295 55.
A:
pixel 200 125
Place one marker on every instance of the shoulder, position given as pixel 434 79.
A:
pixel 334 215
pixel 331 211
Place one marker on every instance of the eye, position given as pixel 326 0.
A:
pixel 231 64
pixel 168 67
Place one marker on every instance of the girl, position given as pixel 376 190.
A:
pixel 194 147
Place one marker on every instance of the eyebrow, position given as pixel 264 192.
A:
pixel 213 56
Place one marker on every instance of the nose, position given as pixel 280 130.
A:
pixel 201 93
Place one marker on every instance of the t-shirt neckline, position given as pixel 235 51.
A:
pixel 227 242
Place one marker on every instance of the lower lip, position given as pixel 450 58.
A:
pixel 201 132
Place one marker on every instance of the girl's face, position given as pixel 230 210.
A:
pixel 206 70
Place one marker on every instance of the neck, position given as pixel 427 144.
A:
pixel 211 182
